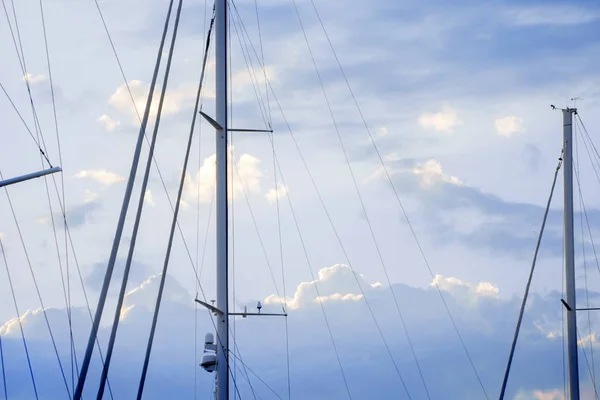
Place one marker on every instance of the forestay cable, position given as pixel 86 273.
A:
pixel 140 207
pixel 12 291
pixel 524 302
pixel 179 193
pixel 121 223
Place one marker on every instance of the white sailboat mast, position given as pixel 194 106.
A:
pixel 221 198
pixel 570 254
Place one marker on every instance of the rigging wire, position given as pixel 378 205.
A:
pixel 181 185
pixel 14 298
pixel 230 178
pixel 25 123
pixel 258 377
pixel 37 289
pixel 245 370
pixel 121 222
pixel 198 224
pixel 21 57
pixel 250 67
pixel 579 338
pixel 139 213
pixel 586 215
pixel 372 141
pixel 3 370
pixel 562 321
pixel 37 126
pixel 360 197
pixel 533 263
pixel 297 226
pixel 581 212
pixel 60 160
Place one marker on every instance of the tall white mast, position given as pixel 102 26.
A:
pixel 222 206
pixel 570 254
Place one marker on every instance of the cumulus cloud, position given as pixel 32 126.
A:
pixel 175 99
pixel 108 123
pixel 100 175
pixel 443 121
pixel 33 79
pixel 431 173
pixel 335 283
pixel 246 177
pixel 450 284
pixel 509 126
pixel 274 194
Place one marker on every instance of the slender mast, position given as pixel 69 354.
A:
pixel 570 253
pixel 222 206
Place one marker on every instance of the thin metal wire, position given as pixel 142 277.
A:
pixel 581 212
pixel 3 370
pixel 533 264
pixel 14 298
pixel 374 144
pixel 37 289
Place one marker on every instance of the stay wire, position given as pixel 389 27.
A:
pixel 122 217
pixel 582 211
pixel 179 193
pixel 579 338
pixel 372 140
pixel 21 57
pixel 198 227
pixel 37 289
pixel 25 123
pixel 60 160
pixel 161 178
pixel 258 377
pixel 14 298
pixel 362 203
pixel 297 226
pixel 245 370
pixel 529 280
pixel 3 370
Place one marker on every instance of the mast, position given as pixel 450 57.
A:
pixel 570 254
pixel 221 198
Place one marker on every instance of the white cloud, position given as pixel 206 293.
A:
pixel 588 340
pixel 100 175
pixel 450 284
pixel 509 126
pixel 247 176
pixel 443 121
pixel 148 198
pixel 335 283
pixel 174 101
pixel 108 123
pixel 274 194
pixel 431 173
pixel 551 15
pixel 538 394
pixel 33 79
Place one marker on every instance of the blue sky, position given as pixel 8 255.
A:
pixel 457 98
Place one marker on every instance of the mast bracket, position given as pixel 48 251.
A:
pixel 212 308
pixel 566 305
pixel 211 121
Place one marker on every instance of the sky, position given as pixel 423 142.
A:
pixel 454 99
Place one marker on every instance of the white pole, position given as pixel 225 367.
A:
pixel 569 253
pixel 222 218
